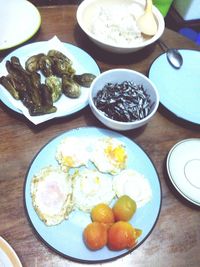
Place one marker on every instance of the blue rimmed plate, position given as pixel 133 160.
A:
pixel 179 89
pixel 66 238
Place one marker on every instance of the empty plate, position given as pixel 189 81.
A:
pixel 183 166
pixel 179 89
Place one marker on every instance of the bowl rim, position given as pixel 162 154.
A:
pixel 150 115
pixel 161 26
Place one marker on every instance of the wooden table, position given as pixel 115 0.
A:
pixel 175 241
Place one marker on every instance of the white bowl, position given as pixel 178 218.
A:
pixel 88 16
pixel 119 76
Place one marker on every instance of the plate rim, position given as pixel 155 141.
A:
pixel 174 113
pixel 175 185
pixel 15 259
pixel 33 32
pixel 74 258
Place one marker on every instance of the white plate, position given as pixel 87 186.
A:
pixel 82 63
pixel 19 21
pixel 179 89
pixel 8 257
pixel 66 237
pixel 183 166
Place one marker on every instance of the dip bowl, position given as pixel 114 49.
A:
pixel 112 25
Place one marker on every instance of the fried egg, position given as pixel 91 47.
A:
pixel 135 185
pixel 51 192
pixel 109 155
pixel 72 152
pixel 90 187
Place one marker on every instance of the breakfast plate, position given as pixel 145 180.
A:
pixel 8 256
pixel 179 89
pixel 183 166
pixel 82 63
pixel 66 238
pixel 19 21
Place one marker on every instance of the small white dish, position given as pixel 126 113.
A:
pixel 183 167
pixel 119 76
pixel 19 21
pixel 8 257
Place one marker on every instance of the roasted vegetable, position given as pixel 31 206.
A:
pixel 32 63
pixel 9 84
pixel 61 67
pixel 84 79
pixel 57 54
pixel 46 65
pixel 60 77
pixel 55 87
pixel 35 111
pixel 70 87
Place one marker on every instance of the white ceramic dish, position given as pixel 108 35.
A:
pixel 183 166
pixel 87 16
pixel 83 62
pixel 19 21
pixel 66 237
pixel 119 76
pixel 8 256
pixel 179 89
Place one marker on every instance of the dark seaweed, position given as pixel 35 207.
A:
pixel 126 101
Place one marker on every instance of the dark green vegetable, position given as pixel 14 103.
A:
pixel 70 87
pixel 32 63
pixel 55 87
pixel 9 84
pixel 46 65
pixel 84 79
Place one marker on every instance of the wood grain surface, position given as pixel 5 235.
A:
pixel 175 241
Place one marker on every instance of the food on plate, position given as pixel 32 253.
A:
pixel 51 193
pixel 122 235
pixel 126 101
pixel 32 63
pixel 72 152
pixel 117 25
pixel 124 208
pixel 84 79
pixel 70 87
pixel 133 184
pixel 30 90
pixel 91 187
pixel 109 155
pixel 54 85
pixel 102 213
pixel 95 235
pixel 56 69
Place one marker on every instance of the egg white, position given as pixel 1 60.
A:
pixel 90 187
pixel 51 192
pixel 109 155
pixel 135 185
pixel 72 152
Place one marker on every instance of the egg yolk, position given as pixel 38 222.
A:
pixel 117 154
pixel 68 161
